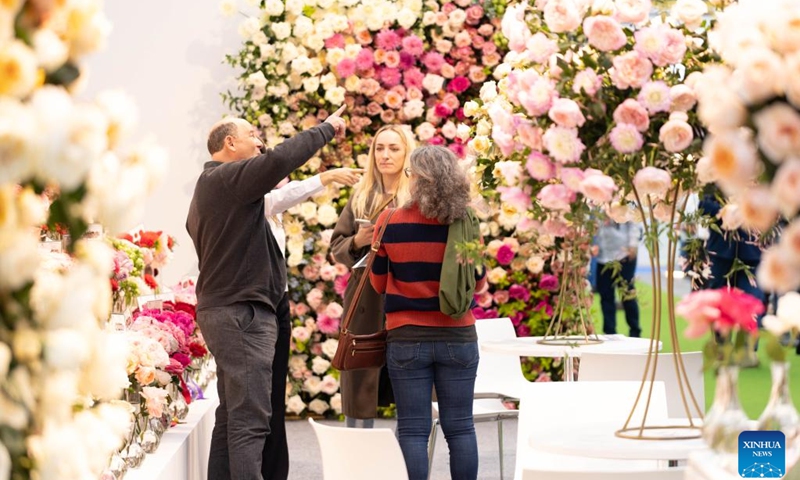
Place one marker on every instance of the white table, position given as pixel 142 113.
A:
pixel 530 347
pixel 183 452
pixel 598 440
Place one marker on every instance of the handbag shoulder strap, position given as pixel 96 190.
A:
pixel 351 309
pixel 383 205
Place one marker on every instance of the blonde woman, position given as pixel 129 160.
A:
pixel 383 186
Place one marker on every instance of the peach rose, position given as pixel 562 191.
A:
pixel 676 134
pixel 604 33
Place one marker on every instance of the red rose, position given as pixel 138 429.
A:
pixel 150 281
pixel 197 349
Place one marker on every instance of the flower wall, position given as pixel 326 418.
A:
pixel 409 62
pixel 66 164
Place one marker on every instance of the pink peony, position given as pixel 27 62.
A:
pixel 625 138
pixel 548 282
pixel 566 113
pixel 598 188
pixel 364 60
pixel 604 33
pixel 387 40
pixel 546 306
pixel 389 77
pixel 676 134
pixel 518 292
pixel 587 81
pixel 655 96
pixel 652 181
pixel 633 113
pixel 505 255
pixel 327 325
pixel 563 144
pixel 539 166
pixel 433 61
pixel 413 45
pixel 571 177
pixel 631 69
pixel 556 197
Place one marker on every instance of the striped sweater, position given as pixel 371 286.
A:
pixel 407 268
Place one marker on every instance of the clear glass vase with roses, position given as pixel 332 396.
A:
pixel 730 316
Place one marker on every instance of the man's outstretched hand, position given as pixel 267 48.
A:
pixel 337 122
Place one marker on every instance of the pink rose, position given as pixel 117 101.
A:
pixel 604 33
pixel 566 113
pixel 632 11
pixel 301 309
pixel 655 97
pixel 369 87
pixel 530 135
pixel 548 282
pixel 598 188
pixel 633 113
pixel 501 297
pixel 447 70
pixel 484 300
pixel 562 16
pixel 652 181
pixel 786 187
pixel 334 310
pixel 556 197
pixel 563 144
pixel 676 134
pixel 631 69
pixel 682 98
pixel 458 85
pixel 442 110
pixel 539 166
pixel 487 29
pixel 625 138
pixel 314 298
pixel 518 292
pixel 504 255
pixel 587 81
pixel 374 109
pixel 476 74
pixel 393 100
pixel 555 227
pixel 425 131
pixel 572 178
pixel 391 59
pixel 388 116
pixel 336 41
pixel 540 47
pixel 474 14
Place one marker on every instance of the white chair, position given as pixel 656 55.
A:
pixel 668 474
pixel 359 453
pixel 630 366
pixel 570 405
pixel 499 376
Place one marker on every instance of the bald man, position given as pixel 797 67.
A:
pixel 242 280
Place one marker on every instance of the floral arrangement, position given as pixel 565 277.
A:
pixel 127 279
pixel 590 114
pixel 60 372
pixel 784 322
pixel 750 102
pixel 730 314
pixel 157 247
pixel 524 285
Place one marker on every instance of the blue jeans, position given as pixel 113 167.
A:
pixel 606 288
pixel 415 368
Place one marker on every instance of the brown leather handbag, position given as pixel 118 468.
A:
pixel 358 352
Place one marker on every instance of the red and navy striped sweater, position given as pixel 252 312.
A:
pixel 407 268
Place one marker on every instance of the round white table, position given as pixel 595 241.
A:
pixel 599 441
pixel 530 347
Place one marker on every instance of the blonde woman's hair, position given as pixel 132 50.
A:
pixel 367 194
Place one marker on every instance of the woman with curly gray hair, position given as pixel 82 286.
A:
pixel 429 344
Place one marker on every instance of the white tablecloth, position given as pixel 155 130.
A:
pixel 183 453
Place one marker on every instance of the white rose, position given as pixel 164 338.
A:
pixel 480 144
pixel 295 405
pixel 471 108
pixel 51 51
pixel 535 264
pixel 319 365
pixel 336 403
pixel 334 56
pixel 312 385
pixel 281 30
pixel 318 406
pixel 690 12
pixel 329 385
pixel 297 363
pixel 301 64
pixel 407 18
pixel 227 8
pixel 19 66
pixel 18 129
pixel 249 27
pixel 329 347
pixel 19 258
pixel 104 375
pixel 778 131
pixel 787 315
pixel 501 71
pixel 433 83
pixel 273 8
pixel 5 359
pixel 326 215
pixel 308 210
pixel 352 84
pixel 413 109
pixel 303 26
pixel 463 131
pixel 731 217
pixel 328 81
pixel 65 349
pixel 484 127
pixel 335 95
pixel 488 91
pixel 759 75
pixel 496 275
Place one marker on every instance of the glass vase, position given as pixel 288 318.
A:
pixel 780 413
pixel 725 419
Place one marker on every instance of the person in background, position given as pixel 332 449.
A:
pixel 242 280
pixel 383 186
pixel 425 347
pixel 617 242
pixel 275 203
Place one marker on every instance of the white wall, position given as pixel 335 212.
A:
pixel 169 56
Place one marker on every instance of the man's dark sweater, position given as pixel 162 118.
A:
pixel 239 259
